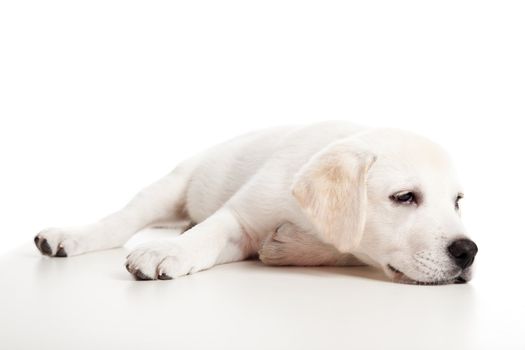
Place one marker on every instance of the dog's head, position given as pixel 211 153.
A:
pixel 392 199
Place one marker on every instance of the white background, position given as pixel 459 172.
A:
pixel 99 98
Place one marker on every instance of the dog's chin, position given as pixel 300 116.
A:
pixel 400 277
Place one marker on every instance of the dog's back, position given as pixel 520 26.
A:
pixel 274 155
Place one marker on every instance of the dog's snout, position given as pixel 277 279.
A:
pixel 463 252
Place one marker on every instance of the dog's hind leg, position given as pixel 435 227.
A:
pixel 289 246
pixel 163 201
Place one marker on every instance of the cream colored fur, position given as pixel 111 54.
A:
pixel 308 195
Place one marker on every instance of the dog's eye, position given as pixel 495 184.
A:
pixel 404 197
pixel 458 198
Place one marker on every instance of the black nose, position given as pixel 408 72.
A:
pixel 463 252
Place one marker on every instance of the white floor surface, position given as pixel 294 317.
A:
pixel 91 302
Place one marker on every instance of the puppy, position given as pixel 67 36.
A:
pixel 331 193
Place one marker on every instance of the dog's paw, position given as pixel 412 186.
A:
pixel 280 245
pixel 56 242
pixel 158 260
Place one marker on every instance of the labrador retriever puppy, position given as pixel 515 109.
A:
pixel 331 193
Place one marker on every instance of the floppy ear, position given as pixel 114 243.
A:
pixel 331 190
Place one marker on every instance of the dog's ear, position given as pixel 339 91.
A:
pixel 331 190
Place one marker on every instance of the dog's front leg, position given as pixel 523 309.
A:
pixel 218 239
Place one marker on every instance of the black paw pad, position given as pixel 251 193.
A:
pixel 43 246
pixel 61 252
pixel 141 276
pixel 163 276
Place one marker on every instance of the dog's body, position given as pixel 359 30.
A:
pixel 323 194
